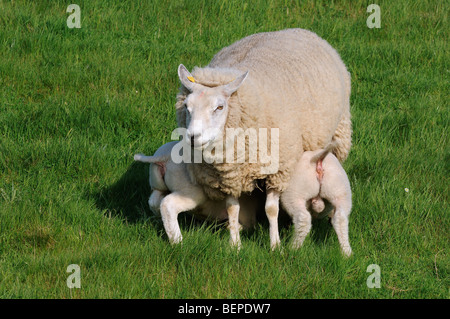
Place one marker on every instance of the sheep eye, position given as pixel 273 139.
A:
pixel 220 107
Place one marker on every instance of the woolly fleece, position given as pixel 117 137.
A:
pixel 298 83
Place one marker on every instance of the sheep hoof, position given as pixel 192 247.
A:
pixel 175 240
pixel 236 244
pixel 347 251
pixel 295 244
pixel 277 247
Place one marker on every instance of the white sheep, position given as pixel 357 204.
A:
pixel 291 80
pixel 318 175
pixel 173 193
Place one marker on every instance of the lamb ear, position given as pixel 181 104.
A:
pixel 186 78
pixel 232 87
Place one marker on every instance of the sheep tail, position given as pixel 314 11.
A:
pixel 151 159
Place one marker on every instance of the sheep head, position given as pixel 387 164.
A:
pixel 206 108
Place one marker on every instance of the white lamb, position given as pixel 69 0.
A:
pixel 318 175
pixel 173 193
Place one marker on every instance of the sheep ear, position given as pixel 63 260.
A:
pixel 186 78
pixel 232 87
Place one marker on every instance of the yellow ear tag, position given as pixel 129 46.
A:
pixel 191 78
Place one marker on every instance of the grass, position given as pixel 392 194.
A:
pixel 76 104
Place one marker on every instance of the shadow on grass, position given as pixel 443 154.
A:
pixel 321 230
pixel 127 198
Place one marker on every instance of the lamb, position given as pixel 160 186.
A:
pixel 173 193
pixel 318 175
pixel 289 80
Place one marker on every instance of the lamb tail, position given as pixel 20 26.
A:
pixel 327 149
pixel 151 159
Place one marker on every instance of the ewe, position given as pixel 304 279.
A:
pixel 296 82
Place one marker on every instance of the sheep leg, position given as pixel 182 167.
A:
pixel 301 219
pixel 272 207
pixel 340 225
pixel 172 205
pixel 232 204
pixel 154 202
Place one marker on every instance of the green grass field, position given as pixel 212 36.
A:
pixel 77 104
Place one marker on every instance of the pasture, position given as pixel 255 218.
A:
pixel 77 103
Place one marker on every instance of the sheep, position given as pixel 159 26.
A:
pixel 289 80
pixel 318 175
pixel 173 193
